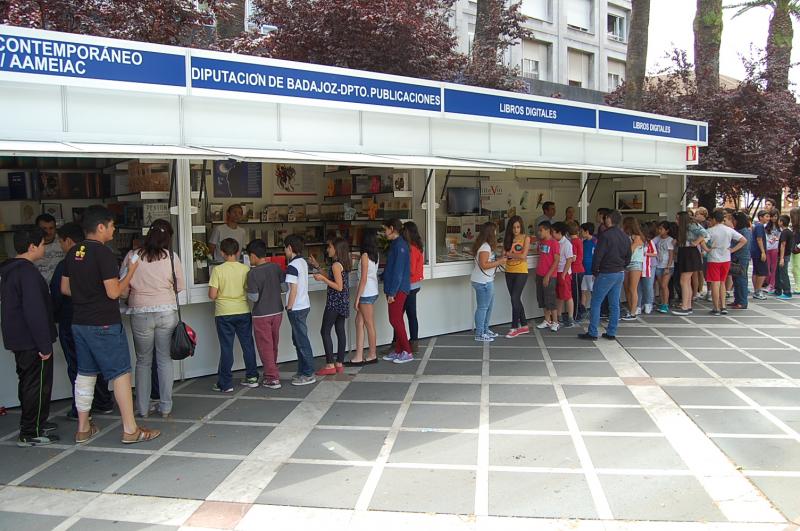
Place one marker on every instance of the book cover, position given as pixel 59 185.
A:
pixel 248 212
pixel 154 211
pixel 401 182
pixel 283 212
pixel 216 211
pixel 312 211
pixel 17 187
pixel 468 229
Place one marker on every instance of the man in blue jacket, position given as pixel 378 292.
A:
pixel 396 286
pixel 29 332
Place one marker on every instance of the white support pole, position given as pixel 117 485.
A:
pixel 430 217
pixel 685 193
pixel 584 198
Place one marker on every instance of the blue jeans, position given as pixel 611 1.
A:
pixel 484 294
pixel 305 354
pixel 606 285
pixel 645 290
pixel 740 285
pixel 240 326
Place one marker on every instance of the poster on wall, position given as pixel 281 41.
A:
pixel 505 196
pixel 237 179
pixel 293 181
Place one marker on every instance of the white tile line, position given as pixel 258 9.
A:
pixel 482 471
pixel 601 505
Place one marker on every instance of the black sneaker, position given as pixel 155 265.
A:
pixel 681 311
pixel 587 337
pixel 628 317
pixel 42 440
pixel 610 337
pixel 724 311
pixel 715 312
pixel 47 427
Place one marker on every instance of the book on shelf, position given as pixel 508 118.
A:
pixel 217 212
pixel 248 212
pixel 132 216
pixel 312 211
pixel 154 211
pixel 401 182
pixel 297 213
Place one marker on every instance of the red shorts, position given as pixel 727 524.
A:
pixel 563 287
pixel 717 271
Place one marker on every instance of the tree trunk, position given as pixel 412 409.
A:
pixel 779 47
pixel 637 54
pixel 707 39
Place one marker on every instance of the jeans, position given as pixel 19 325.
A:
pixel 740 287
pixel 772 264
pixel 396 320
pixel 782 285
pixel 267 332
pixel 515 282
pixel 484 295
pixel 333 319
pixel 153 331
pixel 103 400
pixel 606 285
pixel 305 355
pixel 240 326
pixel 646 291
pixel 35 384
pixel 796 269
pixel 410 310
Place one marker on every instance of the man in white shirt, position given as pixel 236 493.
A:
pixel 549 213
pixel 53 254
pixel 719 258
pixel 230 229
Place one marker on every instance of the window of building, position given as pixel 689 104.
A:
pixel 248 15
pixel 616 27
pixel 580 14
pixel 535 59
pixel 530 68
pixel 580 69
pixel 616 74
pixel 538 9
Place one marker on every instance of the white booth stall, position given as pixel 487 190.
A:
pixel 307 149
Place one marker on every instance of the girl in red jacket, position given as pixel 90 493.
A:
pixel 411 235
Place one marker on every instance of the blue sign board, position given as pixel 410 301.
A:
pixel 254 78
pixel 703 133
pixel 523 110
pixel 28 55
pixel 647 126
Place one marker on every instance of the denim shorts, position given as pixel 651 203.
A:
pixel 635 266
pixel 368 300
pixel 102 350
pixel 661 271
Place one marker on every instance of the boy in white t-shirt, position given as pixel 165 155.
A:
pixel 566 306
pixel 297 307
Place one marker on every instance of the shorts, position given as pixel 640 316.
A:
pixel 546 295
pixel 368 300
pixel 635 266
pixel 564 287
pixel 717 271
pixel 689 260
pixel 102 350
pixel 588 283
pixel 661 271
pixel 760 269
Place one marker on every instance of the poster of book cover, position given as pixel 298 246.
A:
pixel 237 179
pixel 293 181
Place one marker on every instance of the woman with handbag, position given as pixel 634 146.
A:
pixel 153 310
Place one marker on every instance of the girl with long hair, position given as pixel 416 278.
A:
pixel 516 245
pixel 483 272
pixel 417 250
pixel 665 262
pixel 691 238
pixel 633 273
pixel 337 304
pixel 794 216
pixel 366 296
pixel 773 237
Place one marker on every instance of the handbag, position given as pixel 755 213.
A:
pixel 736 270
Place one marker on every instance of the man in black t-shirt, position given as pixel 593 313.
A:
pixel 91 278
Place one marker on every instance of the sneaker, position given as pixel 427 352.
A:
pixel 47 427
pixel 628 317
pixel 664 308
pixel 484 339
pixel 218 389
pixel 72 415
pixel 512 333
pixel 492 334
pixel 568 324
pixel 770 290
pixel 271 384
pixel 796 292
pixel 391 356
pixel 707 296
pixel 523 330
pixel 404 357
pixel 715 312
pixel 760 296
pixel 304 380
pixel 251 382
pixel 648 309
pixel 554 327
pixel 681 311
pixel 42 440
pixel 784 297
pixel 724 311
pixel 544 324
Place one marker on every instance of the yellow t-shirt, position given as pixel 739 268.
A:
pixel 514 265
pixel 230 279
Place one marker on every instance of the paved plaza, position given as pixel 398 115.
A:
pixel 682 420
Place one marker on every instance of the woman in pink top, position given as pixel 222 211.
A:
pixel 154 314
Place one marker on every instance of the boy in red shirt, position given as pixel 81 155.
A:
pixel 549 256
pixel 578 270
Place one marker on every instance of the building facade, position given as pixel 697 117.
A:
pixel 581 43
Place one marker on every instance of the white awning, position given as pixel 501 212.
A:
pixel 706 173
pixel 570 168
pixel 16 148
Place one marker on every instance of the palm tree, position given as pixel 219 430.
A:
pixel 779 39
pixel 707 39
pixel 637 53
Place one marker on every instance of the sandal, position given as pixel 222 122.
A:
pixel 326 371
pixel 140 435
pixel 354 363
pixel 83 436
pixel 372 361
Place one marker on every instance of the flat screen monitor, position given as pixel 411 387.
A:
pixel 462 201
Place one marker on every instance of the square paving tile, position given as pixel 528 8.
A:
pixel 345 414
pixel 762 454
pixel 91 524
pixel 9 423
pixel 662 319
pixel 224 439
pixel 540 495
pixel 683 331
pixel 442 416
pixel 459 368
pixel 789 417
pixel 18 461
pixel 435 448
pixel 742 370
pixel 785 332
pixel 527 341
pixel 753 320
pixel 783 355
pixel 388 391
pixel 456 341
pixel 674 370
pixel 578 368
pixel 425 491
pixel 302 485
pixel 783 493
pixel 449 353
pixel 613 419
pixel 169 430
pixel 199 386
pixel 633 452
pixel 790 369
pixel 713 354
pixel 195 408
pixel 699 342
pixel 441 392
pixel 341 445
pixel 656 354
pixel 732 421
pixel 774 396
pixel 672 498
pixel 542 418
pixel 522 394
pixel 643 342
pixel 287 390
pixel 509 353
pixel 583 354
pixel 733 332
pixel 635 331
pixel 545 451
pixel 703 396
pixel 29 522
pixel 180 477
pixel 599 394
pixel 518 368
pixel 566 341
pixel 757 342
pixel 84 470
pixel 386 367
pixel 257 411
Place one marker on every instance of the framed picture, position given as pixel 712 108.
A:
pixel 54 209
pixel 630 201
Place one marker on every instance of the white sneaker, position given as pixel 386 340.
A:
pixel 544 324
pixel 492 334
pixel 648 309
pixel 707 296
pixel 554 327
